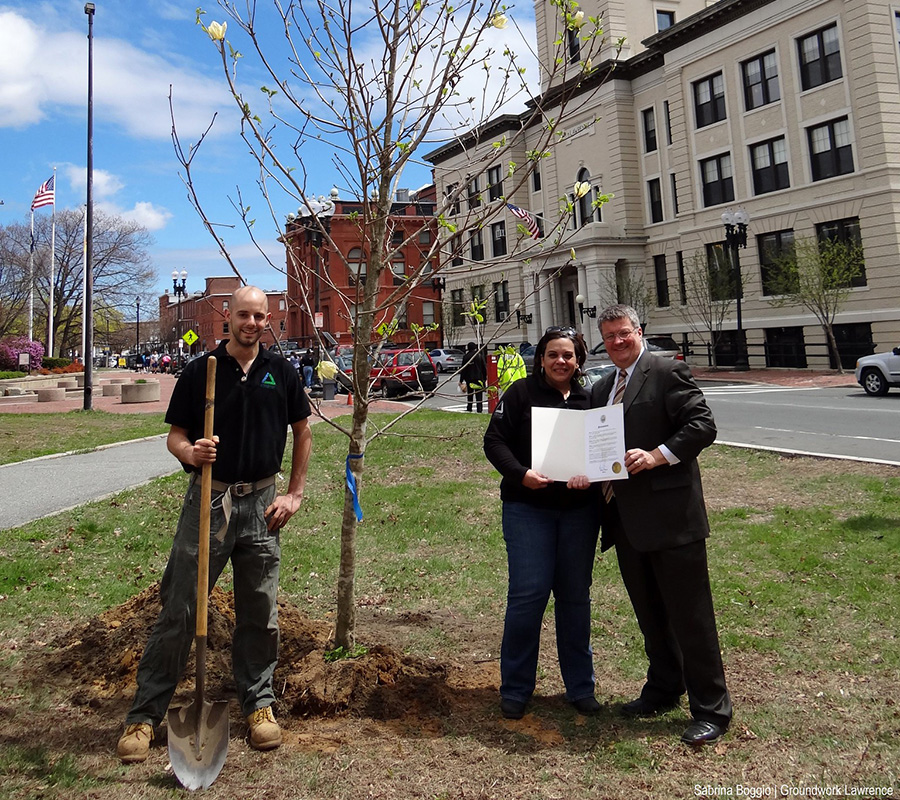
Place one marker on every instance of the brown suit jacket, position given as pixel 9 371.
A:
pixel 662 507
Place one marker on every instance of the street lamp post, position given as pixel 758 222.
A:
pixel 88 355
pixel 180 294
pixel 137 329
pixel 736 238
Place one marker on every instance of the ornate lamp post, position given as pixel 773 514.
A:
pixel 590 312
pixel 736 238
pixel 137 329
pixel 88 310
pixel 180 294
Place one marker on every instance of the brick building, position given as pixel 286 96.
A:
pixel 204 313
pixel 325 282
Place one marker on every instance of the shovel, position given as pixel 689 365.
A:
pixel 198 733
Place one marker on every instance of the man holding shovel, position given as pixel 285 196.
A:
pixel 257 396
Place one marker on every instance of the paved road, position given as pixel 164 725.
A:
pixel 45 486
pixel 839 421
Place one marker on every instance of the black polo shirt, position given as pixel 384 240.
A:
pixel 252 412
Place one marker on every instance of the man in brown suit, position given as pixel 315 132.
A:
pixel 656 519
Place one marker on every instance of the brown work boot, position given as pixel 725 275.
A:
pixel 134 746
pixel 264 731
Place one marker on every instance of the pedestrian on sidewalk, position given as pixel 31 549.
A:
pixel 473 376
pixel 258 395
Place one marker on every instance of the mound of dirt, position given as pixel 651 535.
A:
pixel 97 663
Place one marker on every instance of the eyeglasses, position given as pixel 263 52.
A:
pixel 567 329
pixel 623 335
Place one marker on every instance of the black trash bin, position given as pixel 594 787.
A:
pixel 328 389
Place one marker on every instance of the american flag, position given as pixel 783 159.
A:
pixel 527 220
pixel 45 195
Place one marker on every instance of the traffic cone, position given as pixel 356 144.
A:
pixel 349 398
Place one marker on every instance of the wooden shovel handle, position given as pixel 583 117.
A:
pixel 205 502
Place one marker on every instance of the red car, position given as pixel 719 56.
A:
pixel 397 372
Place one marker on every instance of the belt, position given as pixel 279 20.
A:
pixel 239 489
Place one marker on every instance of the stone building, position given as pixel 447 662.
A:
pixel 785 110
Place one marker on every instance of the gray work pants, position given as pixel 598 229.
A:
pixel 255 555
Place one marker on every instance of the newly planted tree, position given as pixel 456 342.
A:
pixel 374 84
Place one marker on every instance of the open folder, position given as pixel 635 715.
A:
pixel 565 443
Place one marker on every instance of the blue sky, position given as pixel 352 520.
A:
pixel 140 49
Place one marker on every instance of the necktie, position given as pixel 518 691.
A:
pixel 617 398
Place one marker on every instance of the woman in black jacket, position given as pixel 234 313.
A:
pixel 550 532
pixel 474 376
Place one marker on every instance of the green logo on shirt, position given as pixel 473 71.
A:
pixel 268 380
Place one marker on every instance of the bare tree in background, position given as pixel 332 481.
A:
pixel 122 269
pixel 376 82
pixel 709 295
pixel 818 274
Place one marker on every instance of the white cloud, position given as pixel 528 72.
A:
pixel 45 70
pixel 147 215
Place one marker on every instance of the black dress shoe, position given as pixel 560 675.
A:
pixel 586 705
pixel 512 709
pixel 701 732
pixel 644 708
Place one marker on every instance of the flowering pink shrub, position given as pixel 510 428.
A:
pixel 10 348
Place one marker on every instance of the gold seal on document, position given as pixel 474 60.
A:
pixel 616 467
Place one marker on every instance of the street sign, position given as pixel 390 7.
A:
pixel 190 337
pixel 318 319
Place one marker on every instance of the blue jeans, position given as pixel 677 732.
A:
pixel 307 376
pixel 548 549
pixel 255 555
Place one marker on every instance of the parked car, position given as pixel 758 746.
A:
pixel 344 378
pixel 878 372
pixel 447 359
pixel 662 346
pixel 398 371
pixel 593 375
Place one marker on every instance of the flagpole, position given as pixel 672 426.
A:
pixel 89 236
pixel 84 287
pixel 31 283
pixel 50 325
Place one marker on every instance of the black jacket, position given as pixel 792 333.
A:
pixel 507 442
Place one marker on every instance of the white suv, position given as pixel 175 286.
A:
pixel 877 373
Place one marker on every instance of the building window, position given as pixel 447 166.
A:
pixel 820 57
pixel 769 164
pixel 847 232
pixel 356 264
pixel 495 183
pixel 224 328
pixel 396 237
pixel 654 194
pixel 474 193
pixel 674 193
pixel 281 305
pixel 584 206
pixel 662 281
pixel 682 283
pixel 664 20
pixel 424 236
pixel 760 77
pixel 281 325
pixel 719 272
pixel 224 305
pixel 649 120
pixel 454 203
pixel 709 100
pixel 456 308
pixel 574 45
pixel 829 149
pixel 501 301
pixel 428 313
pixel 498 239
pixel 774 248
pixel 398 268
pixel 668 117
pixel 717 180
pixel 536 180
pixel 478 296
pixel 477 245
pixel 456 257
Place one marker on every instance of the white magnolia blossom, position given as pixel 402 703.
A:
pixel 581 189
pixel 217 30
pixel 572 254
pixel 499 21
pixel 578 19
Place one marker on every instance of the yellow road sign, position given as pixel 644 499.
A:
pixel 190 337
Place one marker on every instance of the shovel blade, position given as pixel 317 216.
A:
pixel 197 749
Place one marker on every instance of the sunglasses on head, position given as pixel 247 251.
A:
pixel 565 329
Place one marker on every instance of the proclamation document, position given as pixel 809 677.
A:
pixel 565 443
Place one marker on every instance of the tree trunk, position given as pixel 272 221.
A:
pixel 833 348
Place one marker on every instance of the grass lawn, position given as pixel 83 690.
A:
pixel 24 436
pixel 805 564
